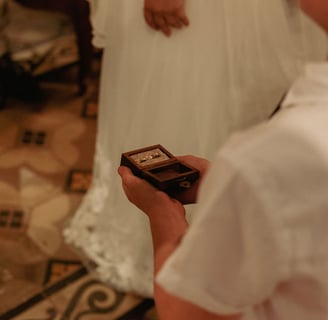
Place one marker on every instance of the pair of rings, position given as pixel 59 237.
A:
pixel 150 157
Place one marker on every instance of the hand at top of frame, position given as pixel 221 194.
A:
pixel 163 15
pixel 190 196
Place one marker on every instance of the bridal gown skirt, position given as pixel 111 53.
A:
pixel 225 72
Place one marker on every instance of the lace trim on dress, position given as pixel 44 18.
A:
pixel 115 269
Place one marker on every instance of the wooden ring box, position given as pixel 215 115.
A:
pixel 160 168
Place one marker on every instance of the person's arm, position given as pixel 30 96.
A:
pixel 168 225
pixel 163 15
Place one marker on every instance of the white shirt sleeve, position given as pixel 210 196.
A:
pixel 258 241
pixel 229 259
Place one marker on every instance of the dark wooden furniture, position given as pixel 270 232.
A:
pixel 78 12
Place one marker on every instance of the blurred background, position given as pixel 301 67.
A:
pixel 49 77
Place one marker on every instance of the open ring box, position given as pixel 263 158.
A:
pixel 160 168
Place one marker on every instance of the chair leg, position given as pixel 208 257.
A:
pixel 80 20
pixel 3 94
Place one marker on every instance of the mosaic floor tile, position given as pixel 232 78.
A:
pixel 33 137
pixel 12 219
pixel 79 180
pixel 46 150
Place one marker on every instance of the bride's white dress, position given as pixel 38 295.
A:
pixel 226 71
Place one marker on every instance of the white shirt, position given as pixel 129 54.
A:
pixel 258 244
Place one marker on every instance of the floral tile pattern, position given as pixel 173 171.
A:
pixel 46 157
pixel 79 180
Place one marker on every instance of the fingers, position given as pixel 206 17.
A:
pixel 184 20
pixel 122 170
pixel 149 18
pixel 164 21
pixel 162 24
pixel 146 197
pixel 129 180
pixel 133 184
pixel 174 21
pixel 139 192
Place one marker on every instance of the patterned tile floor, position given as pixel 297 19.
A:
pixel 46 154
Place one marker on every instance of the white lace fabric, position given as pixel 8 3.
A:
pixel 83 232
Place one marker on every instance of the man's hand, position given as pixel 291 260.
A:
pixel 163 15
pixel 146 197
pixel 166 215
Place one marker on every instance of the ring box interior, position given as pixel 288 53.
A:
pixel 160 168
